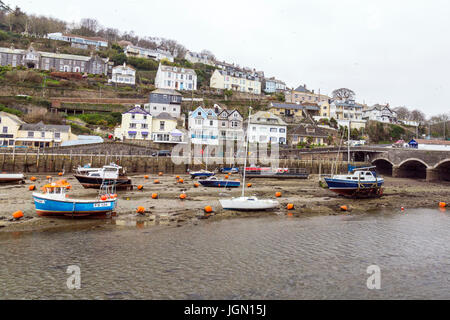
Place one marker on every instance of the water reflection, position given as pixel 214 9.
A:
pixel 277 257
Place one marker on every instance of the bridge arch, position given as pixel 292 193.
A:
pixel 443 170
pixel 412 168
pixel 384 166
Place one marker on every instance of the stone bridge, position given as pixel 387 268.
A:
pixel 408 163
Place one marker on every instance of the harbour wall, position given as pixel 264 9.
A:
pixel 54 163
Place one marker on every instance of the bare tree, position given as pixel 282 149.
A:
pixel 417 115
pixel 403 113
pixel 343 94
pixel 210 55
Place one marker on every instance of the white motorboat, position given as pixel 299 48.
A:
pixel 248 203
pixel 11 177
pixel 244 203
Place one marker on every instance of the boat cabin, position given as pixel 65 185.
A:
pixel 56 188
pixel 360 175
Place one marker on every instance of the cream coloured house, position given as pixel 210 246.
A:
pixel 40 135
pixel 9 127
pixel 237 81
pixel 164 129
pixel 123 74
pixel 136 125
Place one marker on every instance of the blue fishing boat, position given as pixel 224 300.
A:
pixel 53 201
pixel 358 182
pixel 201 174
pixel 218 183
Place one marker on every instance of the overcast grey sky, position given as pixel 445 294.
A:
pixel 394 51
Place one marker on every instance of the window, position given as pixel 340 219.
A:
pixel 57 135
pixel 144 126
pixel 282 130
pixel 273 139
pixel 132 125
pixel 211 122
pixel 30 134
pixel 223 124
pixel 282 140
pixel 133 116
pixel 43 134
pixel 273 130
pixel 5 129
pixel 161 125
pixel 145 117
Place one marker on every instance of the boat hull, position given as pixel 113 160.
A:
pixel 352 188
pixel 72 207
pixel 95 182
pixel 11 178
pixel 202 174
pixel 248 204
pixel 220 183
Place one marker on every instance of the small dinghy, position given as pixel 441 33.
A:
pixel 54 201
pixel 229 170
pixel 11 177
pixel 111 175
pixel 215 182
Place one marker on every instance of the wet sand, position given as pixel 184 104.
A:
pixel 168 210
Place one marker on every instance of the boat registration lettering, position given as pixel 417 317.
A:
pixel 101 205
pixel 39 201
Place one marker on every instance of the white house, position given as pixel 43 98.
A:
pixel 136 125
pixel 176 78
pixel 380 113
pixel 347 111
pixel 266 127
pixel 155 54
pixel 81 41
pixel 123 74
pixel 203 126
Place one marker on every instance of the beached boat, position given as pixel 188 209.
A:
pixel 358 182
pixel 11 177
pixel 244 203
pixel 53 201
pixel 109 175
pixel 229 170
pixel 219 183
pixel 201 174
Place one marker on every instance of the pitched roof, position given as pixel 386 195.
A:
pixel 165 116
pixel 13 117
pixel 301 89
pixel 177 69
pixel 40 126
pixel 265 117
pixel 309 130
pixel 302 106
pixel 137 110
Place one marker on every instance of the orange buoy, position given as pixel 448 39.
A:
pixel 140 209
pixel 208 209
pixel 68 187
pixel 226 177
pixel 278 194
pixel 442 204
pixel 31 188
pixel 33 178
pixel 344 208
pixel 60 173
pixel 49 177
pixel 180 180
pixel 145 177
pixel 114 195
pixel 160 174
pixel 140 187
pixel 154 196
pixel 183 196
pixel 17 215
pixel 177 177
pixel 104 197
pixel 156 181
pixel 249 185
pixel 290 206
pixel 196 185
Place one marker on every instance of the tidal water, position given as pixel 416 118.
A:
pixel 323 257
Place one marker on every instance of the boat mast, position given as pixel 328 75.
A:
pixel 348 143
pixel 246 146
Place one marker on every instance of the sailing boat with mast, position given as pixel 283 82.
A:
pixel 358 182
pixel 244 203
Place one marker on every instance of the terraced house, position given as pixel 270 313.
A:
pixel 266 127
pixel 175 78
pixel 230 125
pixel 136 125
pixel 203 126
pixel 33 59
pixel 236 81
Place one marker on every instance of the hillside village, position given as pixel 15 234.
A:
pixel 62 86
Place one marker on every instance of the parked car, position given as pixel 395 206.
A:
pixel 162 153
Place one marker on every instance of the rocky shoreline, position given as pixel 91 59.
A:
pixel 169 211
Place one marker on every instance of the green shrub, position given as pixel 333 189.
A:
pixel 10 110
